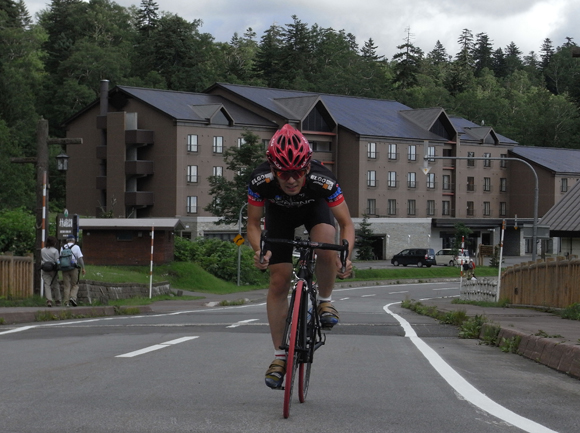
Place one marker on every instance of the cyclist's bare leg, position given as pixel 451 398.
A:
pixel 326 260
pixel 277 300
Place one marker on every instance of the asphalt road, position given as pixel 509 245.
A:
pixel 383 369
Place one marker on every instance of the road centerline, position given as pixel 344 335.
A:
pixel 156 347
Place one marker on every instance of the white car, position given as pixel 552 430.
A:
pixel 445 257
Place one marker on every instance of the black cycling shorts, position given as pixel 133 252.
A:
pixel 281 222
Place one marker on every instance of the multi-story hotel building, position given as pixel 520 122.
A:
pixel 148 153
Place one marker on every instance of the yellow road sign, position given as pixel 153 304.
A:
pixel 239 240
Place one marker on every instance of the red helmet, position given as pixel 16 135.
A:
pixel 288 149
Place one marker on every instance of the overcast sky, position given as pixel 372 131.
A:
pixel 525 22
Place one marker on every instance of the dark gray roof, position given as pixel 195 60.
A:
pixel 197 107
pixel 555 159
pixel 363 116
pixel 564 216
pixel 469 131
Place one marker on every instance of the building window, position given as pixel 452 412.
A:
pixel 411 207
pixel 471 162
pixel 502 208
pixel 431 152
pixel 393 152
pixel 218 145
pixel 218 171
pixel 503 163
pixel 411 180
pixel 487 184
pixel 503 184
pixel 446 182
pixel 320 146
pixel 241 141
pixel 392 207
pixel 486 208
pixel 192 173
pixel 372 150
pixel 471 184
pixel 192 204
pixel 392 179
pixel 191 143
pixel 470 208
pixel 431 180
pixel 446 210
pixel 371 206
pixel 564 184
pixel 412 153
pixel 487 162
pixel 430 207
pixel 371 178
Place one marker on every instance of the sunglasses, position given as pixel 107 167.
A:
pixel 287 174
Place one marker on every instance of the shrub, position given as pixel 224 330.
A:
pixel 220 258
pixel 17 231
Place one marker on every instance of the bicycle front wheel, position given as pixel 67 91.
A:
pixel 292 356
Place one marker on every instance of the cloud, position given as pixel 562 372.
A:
pixel 525 22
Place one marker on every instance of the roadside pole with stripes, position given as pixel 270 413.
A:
pixel 151 265
pixel 43 235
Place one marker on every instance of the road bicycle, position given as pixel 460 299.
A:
pixel 303 331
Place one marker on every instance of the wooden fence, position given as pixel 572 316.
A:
pixel 16 276
pixel 554 283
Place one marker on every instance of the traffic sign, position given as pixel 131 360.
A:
pixel 239 240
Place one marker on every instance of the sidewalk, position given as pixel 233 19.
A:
pixel 545 337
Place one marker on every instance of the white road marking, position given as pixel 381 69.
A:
pixel 11 331
pixel 396 293
pixel 344 299
pixel 448 288
pixel 464 388
pixel 156 347
pixel 242 322
pixel 367 296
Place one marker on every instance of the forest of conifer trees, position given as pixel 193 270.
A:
pixel 52 68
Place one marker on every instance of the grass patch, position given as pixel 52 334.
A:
pixel 413 272
pixel 503 303
pixel 572 312
pixel 472 327
pixel 34 301
pixel 510 345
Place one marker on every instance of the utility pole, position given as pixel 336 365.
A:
pixel 42 178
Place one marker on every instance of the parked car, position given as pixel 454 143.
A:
pixel 445 257
pixel 415 256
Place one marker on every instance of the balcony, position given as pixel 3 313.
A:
pixel 138 168
pixel 139 136
pixel 139 198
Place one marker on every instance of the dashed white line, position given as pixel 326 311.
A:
pixel 242 322
pixel 156 347
pixel 367 296
pixel 464 388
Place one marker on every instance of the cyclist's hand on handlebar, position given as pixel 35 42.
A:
pixel 347 271
pixel 266 260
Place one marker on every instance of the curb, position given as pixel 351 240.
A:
pixel 560 356
pixel 17 317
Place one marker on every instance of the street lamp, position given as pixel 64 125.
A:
pixel 62 161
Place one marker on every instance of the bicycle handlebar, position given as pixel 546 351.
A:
pixel 301 243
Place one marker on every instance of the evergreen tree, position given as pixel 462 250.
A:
pixel 513 59
pixel 407 63
pixel 464 58
pixel 147 17
pixel 482 53
pixel 364 241
pixel 268 63
pixel 229 195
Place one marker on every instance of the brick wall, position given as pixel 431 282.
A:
pixel 126 247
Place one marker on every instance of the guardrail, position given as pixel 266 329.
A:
pixel 553 283
pixel 482 289
pixel 16 276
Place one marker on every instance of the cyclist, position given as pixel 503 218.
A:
pixel 295 190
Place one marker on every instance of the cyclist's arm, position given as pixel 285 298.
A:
pixel 342 215
pixel 254 229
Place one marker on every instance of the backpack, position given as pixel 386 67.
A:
pixel 66 259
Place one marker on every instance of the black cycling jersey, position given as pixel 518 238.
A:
pixel 320 182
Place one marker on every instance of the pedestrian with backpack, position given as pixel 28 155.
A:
pixel 71 263
pixel 49 261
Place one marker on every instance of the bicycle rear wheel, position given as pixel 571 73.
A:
pixel 292 355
